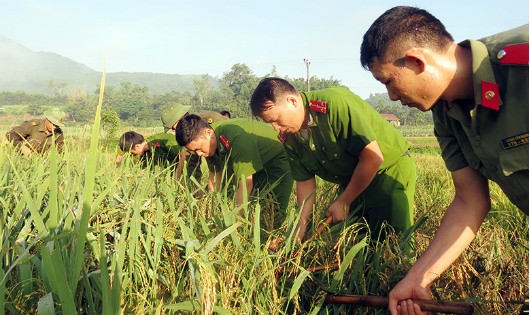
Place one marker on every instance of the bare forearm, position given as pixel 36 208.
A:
pixel 305 196
pixel 459 226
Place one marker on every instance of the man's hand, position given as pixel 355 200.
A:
pixel 399 298
pixel 339 211
pixel 25 150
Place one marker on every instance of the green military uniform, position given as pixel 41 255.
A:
pixel 163 149
pixel 33 134
pixel 249 147
pixel 491 133
pixel 193 165
pixel 340 126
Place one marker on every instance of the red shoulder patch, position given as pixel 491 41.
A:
pixel 155 144
pixel 318 106
pixel 225 142
pixel 514 55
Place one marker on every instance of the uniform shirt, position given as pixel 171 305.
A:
pixel 248 147
pixel 340 126
pixel 492 141
pixel 32 133
pixel 163 149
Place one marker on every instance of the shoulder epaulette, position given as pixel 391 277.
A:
pixel 225 142
pixel 318 106
pixel 514 55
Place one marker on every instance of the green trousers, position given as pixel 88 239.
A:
pixel 390 197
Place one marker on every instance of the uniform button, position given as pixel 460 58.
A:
pixel 489 95
pixel 501 54
pixel 323 162
pixel 335 155
pixel 477 138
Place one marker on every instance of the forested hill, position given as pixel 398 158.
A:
pixel 44 72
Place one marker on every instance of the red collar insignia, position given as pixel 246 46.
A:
pixel 155 144
pixel 490 95
pixel 226 143
pixel 318 106
pixel 281 136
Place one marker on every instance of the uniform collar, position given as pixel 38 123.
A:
pixel 310 115
pixel 484 83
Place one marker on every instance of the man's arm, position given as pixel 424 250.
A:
pixel 247 182
pixel 370 159
pixel 305 195
pixel 458 228
pixel 214 181
pixel 179 167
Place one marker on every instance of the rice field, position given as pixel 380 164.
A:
pixel 81 235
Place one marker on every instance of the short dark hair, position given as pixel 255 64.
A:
pixel 399 29
pixel 129 139
pixel 225 113
pixel 189 127
pixel 269 89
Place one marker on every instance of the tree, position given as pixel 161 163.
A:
pixel 35 109
pixel 56 87
pixel 237 86
pixel 111 123
pixel 202 88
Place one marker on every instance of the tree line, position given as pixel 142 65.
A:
pixel 134 104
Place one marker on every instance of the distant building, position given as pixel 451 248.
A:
pixel 391 118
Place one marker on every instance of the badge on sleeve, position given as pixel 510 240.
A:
pixel 225 142
pixel 318 106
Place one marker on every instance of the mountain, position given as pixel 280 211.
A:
pixel 31 72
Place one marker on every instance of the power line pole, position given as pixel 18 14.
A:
pixel 307 63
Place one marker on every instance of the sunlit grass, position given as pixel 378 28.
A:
pixel 154 245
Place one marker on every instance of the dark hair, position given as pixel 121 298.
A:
pixel 399 29
pixel 225 113
pixel 268 89
pixel 189 128
pixel 129 139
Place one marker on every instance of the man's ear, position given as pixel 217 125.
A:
pixel 291 100
pixel 417 58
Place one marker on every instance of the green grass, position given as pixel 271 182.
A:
pixel 81 235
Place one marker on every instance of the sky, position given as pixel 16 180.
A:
pixel 210 36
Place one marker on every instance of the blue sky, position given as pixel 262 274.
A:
pixel 209 36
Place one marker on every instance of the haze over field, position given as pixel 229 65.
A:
pixel 208 37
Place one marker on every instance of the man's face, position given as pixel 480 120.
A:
pixel 407 84
pixel 287 114
pixel 139 149
pixel 205 144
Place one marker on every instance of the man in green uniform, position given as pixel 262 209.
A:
pixel 37 135
pixel 334 134
pixel 170 117
pixel 160 149
pixel 477 91
pixel 251 152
